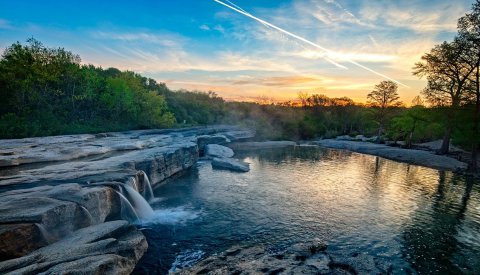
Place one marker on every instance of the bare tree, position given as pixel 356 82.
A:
pixel 383 97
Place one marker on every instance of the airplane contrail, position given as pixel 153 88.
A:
pixel 329 52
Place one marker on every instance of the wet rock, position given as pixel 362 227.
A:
pixel 108 248
pixel 259 260
pixel 219 151
pixel 230 164
pixel 17 240
pixel 360 263
pixel 301 258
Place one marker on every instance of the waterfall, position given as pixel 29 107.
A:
pixel 46 236
pixel 90 217
pixel 133 183
pixel 147 188
pixel 126 205
pixel 140 204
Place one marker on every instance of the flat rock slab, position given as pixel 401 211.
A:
pixel 15 152
pixel 417 157
pixel 230 164
pixel 108 248
pixel 219 151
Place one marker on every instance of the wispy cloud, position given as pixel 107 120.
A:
pixel 5 24
pixel 166 40
pixel 418 16
pixel 204 27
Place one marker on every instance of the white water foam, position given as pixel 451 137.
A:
pixel 186 259
pixel 171 216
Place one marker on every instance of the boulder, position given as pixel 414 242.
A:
pixel 210 139
pixel 230 164
pixel 215 150
pixel 108 248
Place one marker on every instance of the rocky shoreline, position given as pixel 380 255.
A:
pixel 311 257
pixel 63 198
pixel 417 157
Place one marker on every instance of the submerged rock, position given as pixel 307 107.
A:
pixel 108 248
pixel 230 164
pixel 219 151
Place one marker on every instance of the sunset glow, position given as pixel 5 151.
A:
pixel 203 45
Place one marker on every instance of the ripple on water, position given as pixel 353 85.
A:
pixel 409 216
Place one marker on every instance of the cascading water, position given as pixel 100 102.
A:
pixel 127 208
pixel 90 217
pixel 147 190
pixel 46 236
pixel 144 210
pixel 132 182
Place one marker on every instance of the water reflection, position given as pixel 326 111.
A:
pixel 431 241
pixel 412 217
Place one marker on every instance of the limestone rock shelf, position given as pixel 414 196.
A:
pixel 60 202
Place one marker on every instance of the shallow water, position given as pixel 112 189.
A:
pixel 418 219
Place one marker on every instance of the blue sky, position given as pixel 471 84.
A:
pixel 200 44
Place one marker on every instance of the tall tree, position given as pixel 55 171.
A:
pixel 447 77
pixel 469 32
pixel 382 98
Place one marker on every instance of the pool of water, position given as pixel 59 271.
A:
pixel 417 219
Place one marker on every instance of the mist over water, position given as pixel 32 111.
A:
pixel 416 218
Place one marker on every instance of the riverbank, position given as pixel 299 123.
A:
pixel 62 198
pixel 411 156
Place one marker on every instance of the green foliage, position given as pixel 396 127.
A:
pixel 415 125
pixel 47 92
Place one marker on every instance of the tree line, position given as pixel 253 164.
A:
pixel 47 91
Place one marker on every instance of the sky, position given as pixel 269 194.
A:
pixel 203 45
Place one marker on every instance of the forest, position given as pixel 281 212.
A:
pixel 48 91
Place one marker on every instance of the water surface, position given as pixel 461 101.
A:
pixel 418 219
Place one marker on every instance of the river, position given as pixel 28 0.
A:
pixel 419 220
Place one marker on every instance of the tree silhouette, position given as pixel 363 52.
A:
pixel 382 98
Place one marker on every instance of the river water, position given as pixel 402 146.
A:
pixel 418 219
